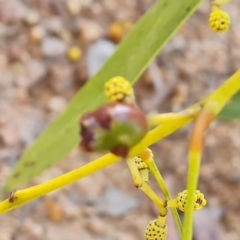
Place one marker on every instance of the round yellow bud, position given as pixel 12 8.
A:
pixel 74 53
pixel 118 89
pixel 219 20
pixel 200 201
pixel 154 231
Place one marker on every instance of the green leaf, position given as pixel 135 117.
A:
pixel 232 110
pixel 131 58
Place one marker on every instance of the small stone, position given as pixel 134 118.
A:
pixel 87 3
pixel 36 70
pixel 16 53
pixel 98 54
pixel 206 224
pixel 230 236
pixel 6 79
pixel 54 25
pixel 54 210
pixel 114 203
pixel 57 104
pixel 180 96
pixel 9 136
pixel 3 30
pixel 88 211
pixel 22 95
pixel 32 17
pixel 91 30
pixel 96 226
pixel 61 76
pixel 73 6
pixel 118 30
pixel 20 75
pixel 6 235
pixel 37 33
pixel 12 11
pixel 33 228
pixel 53 47
pixel 71 211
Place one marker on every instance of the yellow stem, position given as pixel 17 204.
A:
pixel 24 196
pixel 161 204
pixel 136 176
pixel 172 203
pixel 161 221
pixel 144 186
pixel 157 175
pixel 165 129
pixel 145 174
pixel 158 119
pixel 215 102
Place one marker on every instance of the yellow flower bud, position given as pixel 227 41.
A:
pixel 155 232
pixel 74 53
pixel 200 201
pixel 118 89
pixel 219 20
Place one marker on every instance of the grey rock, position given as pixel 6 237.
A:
pixel 206 225
pixel 61 77
pixel 53 47
pixel 13 11
pixel 6 80
pixel 32 17
pixel 91 30
pixel 57 104
pixel 54 25
pixel 98 54
pixel 115 203
pixel 36 70
pixel 31 127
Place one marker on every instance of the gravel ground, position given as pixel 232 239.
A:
pixel 40 72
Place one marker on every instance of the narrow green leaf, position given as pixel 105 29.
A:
pixel 131 58
pixel 232 110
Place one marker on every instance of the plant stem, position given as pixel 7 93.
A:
pixel 158 119
pixel 195 153
pixel 24 196
pixel 214 104
pixel 157 175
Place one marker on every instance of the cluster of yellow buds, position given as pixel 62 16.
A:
pixel 154 231
pixel 118 89
pixel 219 20
pixel 157 229
pixel 200 201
